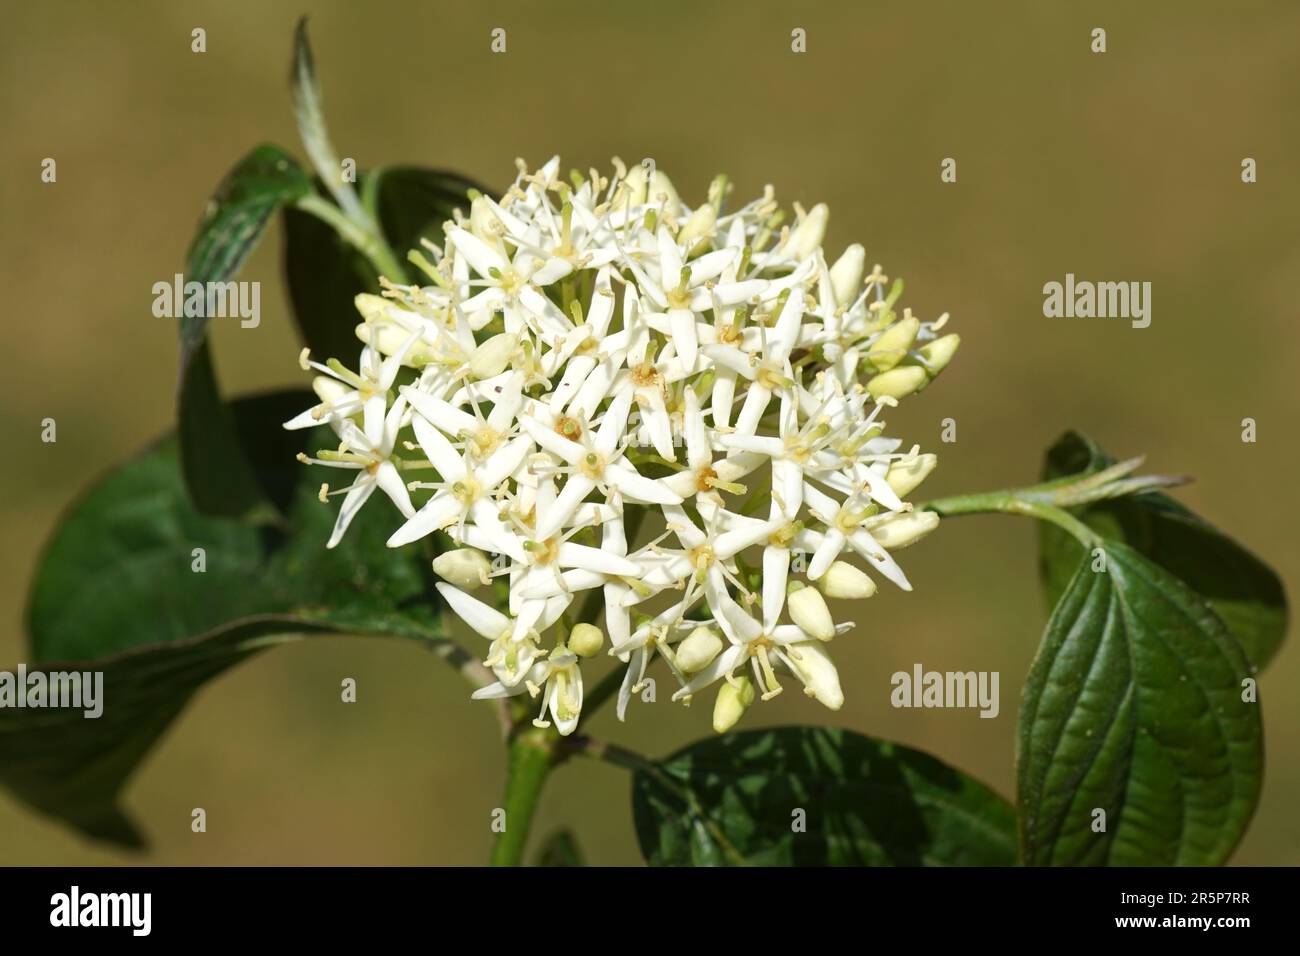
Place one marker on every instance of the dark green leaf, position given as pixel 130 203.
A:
pixel 1241 588
pixel 218 475
pixel 732 800
pixel 560 849
pixel 1134 706
pixel 116 591
pixel 325 274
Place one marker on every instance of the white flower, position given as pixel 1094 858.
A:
pixel 592 352
pixel 371 454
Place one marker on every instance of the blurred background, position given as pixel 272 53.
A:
pixel 1119 166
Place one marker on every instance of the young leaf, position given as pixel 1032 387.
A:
pixel 325 273
pixel 219 479
pixel 1136 747
pixel 816 796
pixel 1244 591
pixel 304 90
pixel 123 590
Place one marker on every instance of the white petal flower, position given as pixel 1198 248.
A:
pixel 592 352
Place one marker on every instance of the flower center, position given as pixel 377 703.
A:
pixel 771 378
pixel 486 440
pixel 543 552
pixel 568 427
pixel 784 536
pixel 466 491
pixel 847 520
pixel 592 465
pixel 760 648
pixel 645 375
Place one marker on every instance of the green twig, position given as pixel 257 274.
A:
pixel 533 755
pixel 1013 503
pixel 1048 500
pixel 369 243
pixel 607 753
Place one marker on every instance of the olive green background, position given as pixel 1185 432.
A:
pixel 1122 166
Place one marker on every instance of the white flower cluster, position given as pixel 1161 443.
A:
pixel 590 352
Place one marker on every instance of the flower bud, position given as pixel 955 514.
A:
pixel 891 348
pixel 732 703
pixel 904 476
pixel 899 382
pixel 843 580
pixel 661 190
pixel 810 231
pixel 371 306
pixel 633 188
pixel 465 567
pixel 939 353
pixel 905 529
pixel 699 225
pixel 492 357
pixel 821 679
pixel 586 640
pixel 483 222
pixel 846 274
pixel 328 389
pixel 698 650
pixel 389 339
pixel 808 610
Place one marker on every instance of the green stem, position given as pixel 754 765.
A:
pixel 365 240
pixel 607 752
pixel 532 757
pixel 1021 501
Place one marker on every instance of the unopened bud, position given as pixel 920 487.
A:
pixel 906 475
pixel 843 580
pixel 905 529
pixel 846 274
pixel 586 640
pixel 483 222
pixel 891 348
pixel 632 190
pixel 662 190
pixel 700 224
pixel 939 353
pixel 698 650
pixel 808 610
pixel 732 702
pixel 808 235
pixel 390 339
pixel 821 679
pixel 899 382
pixel 491 358
pixel 329 389
pixel 464 567
pixel 369 305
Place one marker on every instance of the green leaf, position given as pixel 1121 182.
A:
pixel 117 592
pixel 218 475
pixel 1244 591
pixel 732 800
pixel 325 273
pixel 308 109
pixel 560 849
pixel 1134 706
